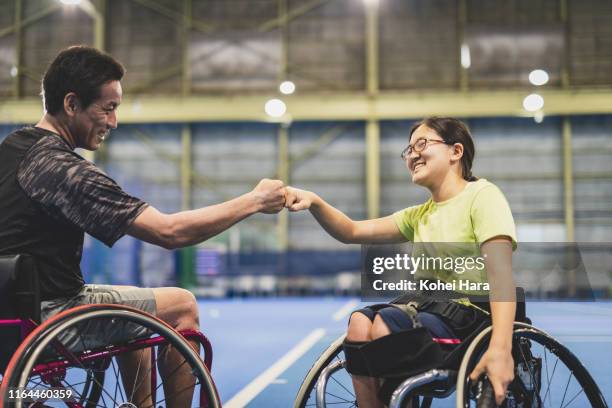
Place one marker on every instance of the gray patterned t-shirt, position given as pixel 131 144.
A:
pixel 73 190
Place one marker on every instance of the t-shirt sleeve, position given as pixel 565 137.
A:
pixel 73 190
pixel 491 215
pixel 405 221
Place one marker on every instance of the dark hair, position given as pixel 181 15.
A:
pixel 453 131
pixel 79 69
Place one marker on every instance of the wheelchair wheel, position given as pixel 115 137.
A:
pixel 547 374
pixel 69 354
pixel 338 391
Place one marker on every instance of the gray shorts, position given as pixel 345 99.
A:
pixel 101 332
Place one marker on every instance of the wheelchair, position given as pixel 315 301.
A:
pixel 547 374
pixel 62 362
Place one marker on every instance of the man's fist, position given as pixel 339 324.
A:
pixel 269 196
pixel 298 200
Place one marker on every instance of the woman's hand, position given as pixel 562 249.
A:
pixel 297 200
pixel 499 366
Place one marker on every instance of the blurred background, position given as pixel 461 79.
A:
pixel 321 94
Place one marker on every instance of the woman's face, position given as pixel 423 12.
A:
pixel 429 166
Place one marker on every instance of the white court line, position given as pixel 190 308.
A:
pixel 264 379
pixel 345 310
pixel 583 308
pixel 585 338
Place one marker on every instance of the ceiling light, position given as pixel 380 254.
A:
pixel 466 60
pixel 533 102
pixel 287 87
pixel 275 108
pixel 538 77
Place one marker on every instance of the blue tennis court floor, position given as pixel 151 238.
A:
pixel 264 347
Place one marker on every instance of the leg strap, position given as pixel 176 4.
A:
pixel 461 318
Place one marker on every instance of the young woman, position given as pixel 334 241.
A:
pixel 462 208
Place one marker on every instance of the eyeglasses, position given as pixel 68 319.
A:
pixel 419 146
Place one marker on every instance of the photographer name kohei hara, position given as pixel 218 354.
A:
pixel 430 285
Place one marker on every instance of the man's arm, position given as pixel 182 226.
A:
pixel 191 227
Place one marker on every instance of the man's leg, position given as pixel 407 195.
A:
pixel 135 369
pixel 179 308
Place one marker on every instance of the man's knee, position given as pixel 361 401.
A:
pixel 191 310
pixel 359 328
pixel 379 328
pixel 177 307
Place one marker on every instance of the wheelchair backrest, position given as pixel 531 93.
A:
pixel 19 288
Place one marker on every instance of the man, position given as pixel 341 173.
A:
pixel 50 196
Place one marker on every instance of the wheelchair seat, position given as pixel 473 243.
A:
pixel 19 301
pixel 19 290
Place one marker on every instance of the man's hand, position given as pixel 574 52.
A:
pixel 499 366
pixel 269 196
pixel 298 200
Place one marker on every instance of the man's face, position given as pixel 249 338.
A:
pixel 93 124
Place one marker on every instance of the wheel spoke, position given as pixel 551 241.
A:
pixel 550 381
pixel 36 383
pixel 117 380
pixel 70 386
pixel 142 378
pixel 547 374
pixel 336 396
pixel 343 386
pixel 569 378
pixel 116 376
pixel 575 396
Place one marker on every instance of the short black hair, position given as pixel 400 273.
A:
pixel 79 69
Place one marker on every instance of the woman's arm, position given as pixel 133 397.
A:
pixel 497 360
pixel 339 225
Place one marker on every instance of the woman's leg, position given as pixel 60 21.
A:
pixel 366 388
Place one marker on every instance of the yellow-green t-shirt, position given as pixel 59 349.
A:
pixel 475 215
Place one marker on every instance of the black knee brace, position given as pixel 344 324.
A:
pixel 397 354
pixel 355 360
